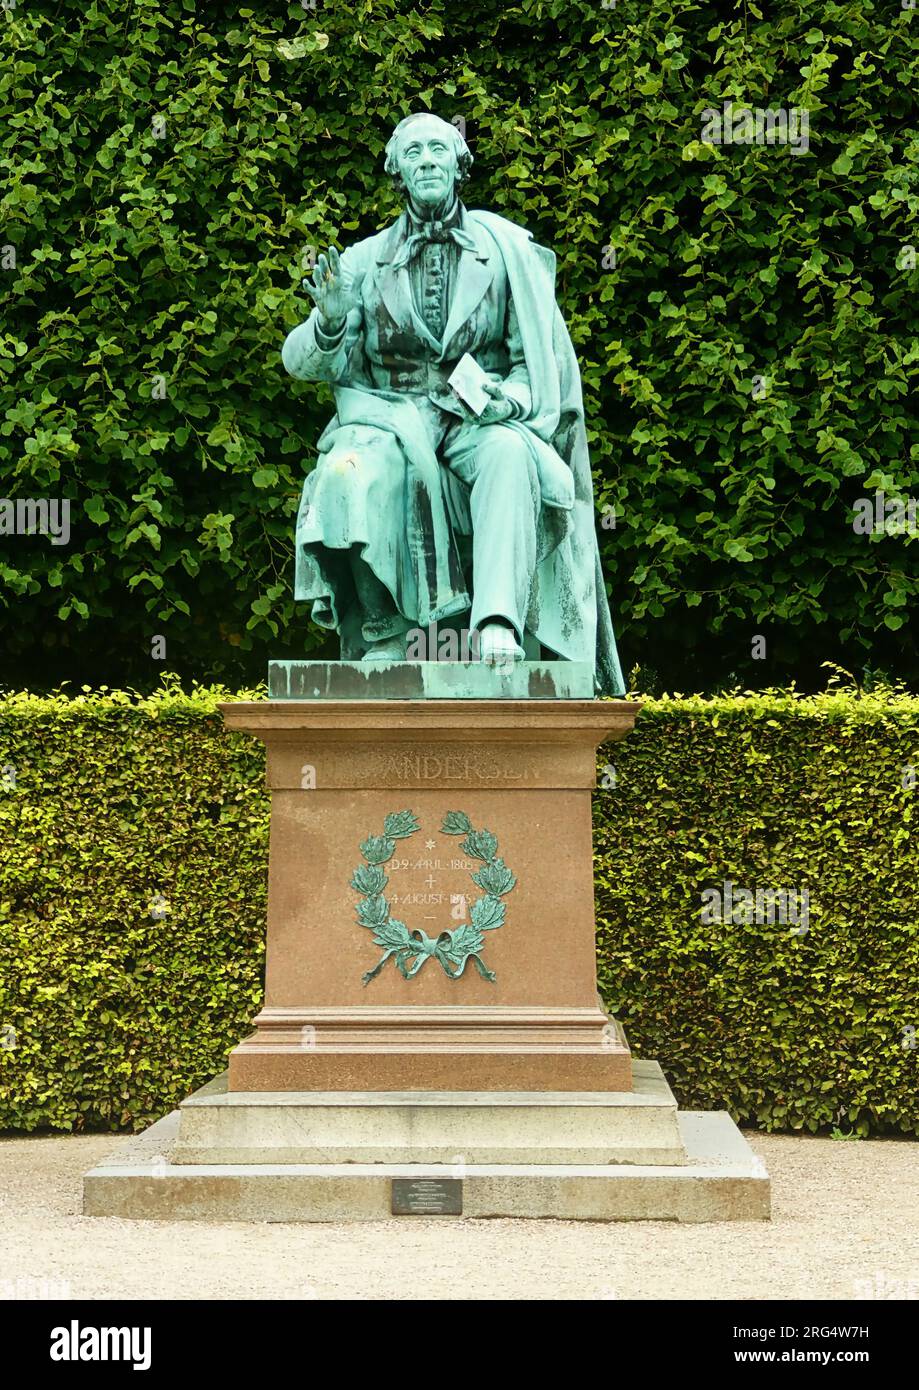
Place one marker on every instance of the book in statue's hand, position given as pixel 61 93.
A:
pixel 468 382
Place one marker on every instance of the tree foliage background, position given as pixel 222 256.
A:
pixel 166 165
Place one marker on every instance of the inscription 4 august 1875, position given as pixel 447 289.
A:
pixel 411 947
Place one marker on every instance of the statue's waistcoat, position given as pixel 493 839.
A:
pixel 401 352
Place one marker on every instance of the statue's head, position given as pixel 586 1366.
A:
pixel 428 158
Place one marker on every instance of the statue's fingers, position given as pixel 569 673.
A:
pixel 333 260
pixel 322 267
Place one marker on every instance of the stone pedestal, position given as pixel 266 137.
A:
pixel 522 770
pixel 483 1078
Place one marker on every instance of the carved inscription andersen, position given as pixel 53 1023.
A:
pixel 455 767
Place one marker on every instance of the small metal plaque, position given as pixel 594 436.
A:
pixel 427 1196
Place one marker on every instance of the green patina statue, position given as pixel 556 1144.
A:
pixel 465 503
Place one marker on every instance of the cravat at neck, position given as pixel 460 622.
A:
pixel 445 214
pixel 422 234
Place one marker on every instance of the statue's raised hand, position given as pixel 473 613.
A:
pixel 328 292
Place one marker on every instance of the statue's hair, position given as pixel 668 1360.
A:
pixel 461 149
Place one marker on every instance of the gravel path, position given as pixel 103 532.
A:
pixel 845 1225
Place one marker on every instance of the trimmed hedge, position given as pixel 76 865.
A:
pixel 133 895
pixel 165 167
pixel 785 1030
pixel 133 898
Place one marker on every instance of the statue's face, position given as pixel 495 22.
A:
pixel 427 161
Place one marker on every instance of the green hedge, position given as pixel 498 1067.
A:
pixel 133 898
pixel 178 255
pixel 785 1029
pixel 132 903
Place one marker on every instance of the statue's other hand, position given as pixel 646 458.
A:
pixel 328 292
pixel 499 408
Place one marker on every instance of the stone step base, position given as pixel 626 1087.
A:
pixel 475 1127
pixel 721 1180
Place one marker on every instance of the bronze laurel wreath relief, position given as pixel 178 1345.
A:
pixel 411 948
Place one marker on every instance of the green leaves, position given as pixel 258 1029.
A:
pixel 488 913
pixel 372 912
pixel 377 849
pixel 119 799
pixel 156 275
pixel 158 806
pixel 496 878
pixel 368 879
pixel 94 507
pixel 398 825
pixel 768 791
pixel 480 844
pixel 296 48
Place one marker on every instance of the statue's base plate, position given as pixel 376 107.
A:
pixel 429 680
pixel 593 1157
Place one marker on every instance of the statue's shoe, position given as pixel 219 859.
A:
pixel 387 649
pixel 498 645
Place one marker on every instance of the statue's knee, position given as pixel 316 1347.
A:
pixel 504 449
pixel 505 460
pixel 345 457
pixel 341 462
pixel 356 455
